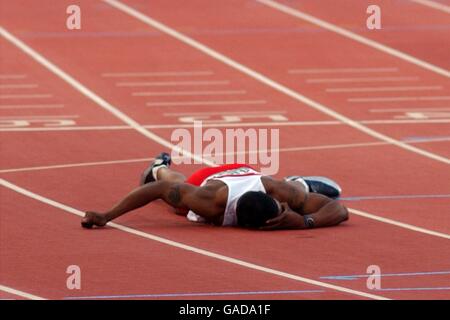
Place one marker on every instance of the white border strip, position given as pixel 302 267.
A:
pixel 351 35
pixel 20 293
pixel 179 245
pixel 263 79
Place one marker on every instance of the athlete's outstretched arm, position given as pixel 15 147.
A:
pixel 175 194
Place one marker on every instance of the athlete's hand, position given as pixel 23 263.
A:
pixel 288 219
pixel 93 218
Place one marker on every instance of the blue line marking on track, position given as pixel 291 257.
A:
pixel 203 294
pixel 405 274
pixel 413 289
pixel 396 197
pixel 423 139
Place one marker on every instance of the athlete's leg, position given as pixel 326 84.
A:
pixel 317 184
pixel 164 173
pixel 159 170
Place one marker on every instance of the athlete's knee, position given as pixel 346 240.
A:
pixel 344 214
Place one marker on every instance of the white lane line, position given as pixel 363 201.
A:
pixel 12 76
pixel 188 93
pixel 172 83
pixel 157 74
pixel 18 86
pixel 298 123
pixel 182 246
pixel 204 103
pixel 30 106
pixel 269 82
pixel 25 96
pixel 72 128
pixel 76 165
pixel 399 224
pixel 433 4
pixel 361 79
pixel 292 149
pixel 41 117
pixel 231 125
pixel 20 293
pixel 425 109
pixel 94 97
pixel 174 114
pixel 389 99
pixel 354 36
pixel 340 70
pixel 384 89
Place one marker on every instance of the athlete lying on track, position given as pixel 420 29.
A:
pixel 233 195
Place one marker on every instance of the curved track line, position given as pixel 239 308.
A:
pixel 267 81
pixel 20 293
pixel 179 245
pixel 223 125
pixel 433 4
pixel 399 224
pixel 292 149
pixel 94 97
pixel 354 36
pixel 107 106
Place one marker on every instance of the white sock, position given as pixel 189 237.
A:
pixel 303 182
pixel 155 170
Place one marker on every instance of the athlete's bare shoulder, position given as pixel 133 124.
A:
pixel 284 191
pixel 218 190
pixel 274 185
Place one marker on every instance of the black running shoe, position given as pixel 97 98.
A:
pixel 324 186
pixel 321 185
pixel 160 160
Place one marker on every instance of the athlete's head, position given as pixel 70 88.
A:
pixel 254 208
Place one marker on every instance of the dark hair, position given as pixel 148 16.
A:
pixel 254 208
